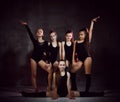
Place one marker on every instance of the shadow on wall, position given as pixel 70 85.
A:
pixel 12 74
pixel 9 72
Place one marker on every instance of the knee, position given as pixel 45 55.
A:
pixel 89 59
pixel 50 70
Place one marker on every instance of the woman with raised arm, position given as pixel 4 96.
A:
pixel 81 48
pixel 39 55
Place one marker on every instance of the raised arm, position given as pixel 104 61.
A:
pixel 91 27
pixel 29 31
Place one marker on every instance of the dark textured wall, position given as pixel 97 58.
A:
pixel 60 15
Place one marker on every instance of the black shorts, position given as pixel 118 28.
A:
pixel 38 57
pixel 82 58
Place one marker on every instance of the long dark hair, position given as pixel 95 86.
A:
pixel 57 74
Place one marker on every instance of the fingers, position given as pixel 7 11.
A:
pixel 95 19
pixel 23 23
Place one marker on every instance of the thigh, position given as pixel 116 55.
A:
pixel 88 65
pixel 76 66
pixel 44 65
pixel 33 66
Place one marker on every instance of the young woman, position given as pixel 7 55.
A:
pixel 67 54
pixel 39 55
pixel 61 81
pixel 54 49
pixel 81 48
pixel 67 47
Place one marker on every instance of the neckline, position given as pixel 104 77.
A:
pixel 53 46
pixel 69 45
pixel 79 42
pixel 62 75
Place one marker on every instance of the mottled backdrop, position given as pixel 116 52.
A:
pixel 60 15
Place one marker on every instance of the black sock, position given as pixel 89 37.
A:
pixel 88 82
pixel 73 81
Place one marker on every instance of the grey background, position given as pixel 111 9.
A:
pixel 60 15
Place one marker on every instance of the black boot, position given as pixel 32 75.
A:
pixel 88 82
pixel 73 81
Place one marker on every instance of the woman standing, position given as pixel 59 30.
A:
pixel 67 54
pixel 39 55
pixel 82 49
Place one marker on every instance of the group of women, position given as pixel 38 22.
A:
pixel 61 60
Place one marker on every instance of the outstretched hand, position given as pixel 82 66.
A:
pixel 23 23
pixel 95 19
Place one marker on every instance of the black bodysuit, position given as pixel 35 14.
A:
pixel 40 49
pixel 62 86
pixel 81 51
pixel 68 52
pixel 53 53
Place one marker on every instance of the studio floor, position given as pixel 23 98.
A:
pixel 13 95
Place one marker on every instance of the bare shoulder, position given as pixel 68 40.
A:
pixel 48 43
pixel 68 74
pixel 63 42
pixel 59 43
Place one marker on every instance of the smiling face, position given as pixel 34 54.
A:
pixel 39 33
pixel 53 36
pixel 62 65
pixel 82 35
pixel 69 36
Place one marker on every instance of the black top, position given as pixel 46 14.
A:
pixel 68 52
pixel 39 48
pixel 81 51
pixel 62 86
pixel 53 53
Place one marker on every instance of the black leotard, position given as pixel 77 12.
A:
pixel 39 48
pixel 81 51
pixel 62 90
pixel 68 52
pixel 53 53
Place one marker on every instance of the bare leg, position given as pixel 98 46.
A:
pixel 76 66
pixel 48 68
pixel 33 73
pixel 50 77
pixel 87 65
